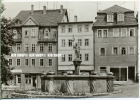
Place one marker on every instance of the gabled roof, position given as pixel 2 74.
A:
pixel 115 8
pixel 129 18
pixel 43 19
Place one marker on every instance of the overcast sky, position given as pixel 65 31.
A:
pixel 85 10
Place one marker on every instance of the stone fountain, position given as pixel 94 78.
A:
pixel 77 83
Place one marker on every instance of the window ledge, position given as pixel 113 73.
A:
pixel 41 51
pixel 26 36
pixel 33 36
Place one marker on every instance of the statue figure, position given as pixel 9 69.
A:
pixel 77 50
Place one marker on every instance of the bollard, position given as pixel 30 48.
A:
pixel 70 86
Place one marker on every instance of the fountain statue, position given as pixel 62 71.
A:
pixel 77 60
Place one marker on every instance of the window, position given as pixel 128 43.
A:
pixel 11 48
pixel 10 62
pixel 86 57
pixel 86 42
pixel 28 79
pixel 80 56
pixel 120 17
pixel 18 47
pixel 102 51
pixel 80 42
pixel 41 47
pixel 33 47
pixel 70 57
pixel 33 62
pixel 33 32
pixel 26 47
pixel 86 28
pixel 50 47
pixel 63 29
pixel 63 43
pixel 41 62
pixel 26 33
pixel 15 33
pixel 79 28
pixel 99 33
pixel 123 32
pixel 46 33
pixel 26 62
pixel 115 32
pixel 131 32
pixel 19 78
pixel 70 43
pixel 50 62
pixel 18 62
pixel 63 58
pixel 70 29
pixel 110 18
pixel 115 50
pixel 123 50
pixel 131 50
pixel 102 69
pixel 105 33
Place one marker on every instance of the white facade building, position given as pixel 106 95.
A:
pixel 83 35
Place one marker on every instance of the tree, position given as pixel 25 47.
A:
pixel 6 41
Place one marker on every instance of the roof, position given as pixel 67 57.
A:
pixel 76 22
pixel 115 8
pixel 43 19
pixel 129 18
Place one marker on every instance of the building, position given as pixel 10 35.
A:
pixel 81 33
pixel 35 42
pixel 116 43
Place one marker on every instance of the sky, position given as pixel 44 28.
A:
pixel 85 10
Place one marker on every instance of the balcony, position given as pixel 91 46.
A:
pixel 46 40
pixel 18 38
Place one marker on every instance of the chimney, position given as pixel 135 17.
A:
pixel 32 9
pixel 75 18
pixel 44 10
pixel 61 9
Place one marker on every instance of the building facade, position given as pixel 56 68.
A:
pixel 70 33
pixel 116 43
pixel 35 46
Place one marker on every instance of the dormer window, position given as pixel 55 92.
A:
pixel 110 18
pixel 120 17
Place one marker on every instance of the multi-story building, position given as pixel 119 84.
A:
pixel 82 34
pixel 116 43
pixel 35 42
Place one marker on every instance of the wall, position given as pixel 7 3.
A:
pixel 109 42
pixel 69 50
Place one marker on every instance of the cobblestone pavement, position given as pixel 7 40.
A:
pixel 124 91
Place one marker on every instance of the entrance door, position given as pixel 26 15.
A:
pixel 131 73
pixel 34 81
